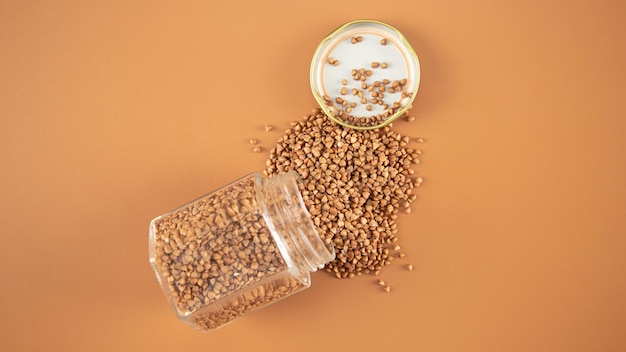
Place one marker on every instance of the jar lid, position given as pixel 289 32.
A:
pixel 365 74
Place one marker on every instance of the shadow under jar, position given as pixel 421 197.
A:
pixel 237 249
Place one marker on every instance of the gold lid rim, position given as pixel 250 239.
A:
pixel 320 100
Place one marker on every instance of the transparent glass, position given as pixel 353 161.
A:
pixel 235 250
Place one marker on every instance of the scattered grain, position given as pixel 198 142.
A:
pixel 355 40
pixel 354 184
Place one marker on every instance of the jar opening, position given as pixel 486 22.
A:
pixel 290 223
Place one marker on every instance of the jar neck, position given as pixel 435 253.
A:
pixel 290 223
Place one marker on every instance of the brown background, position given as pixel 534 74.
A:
pixel 113 112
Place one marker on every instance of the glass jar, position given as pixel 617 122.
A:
pixel 237 249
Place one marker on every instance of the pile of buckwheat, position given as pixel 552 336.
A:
pixel 354 185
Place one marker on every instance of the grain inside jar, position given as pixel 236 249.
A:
pixel 226 254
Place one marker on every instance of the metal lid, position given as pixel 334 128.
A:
pixel 365 74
